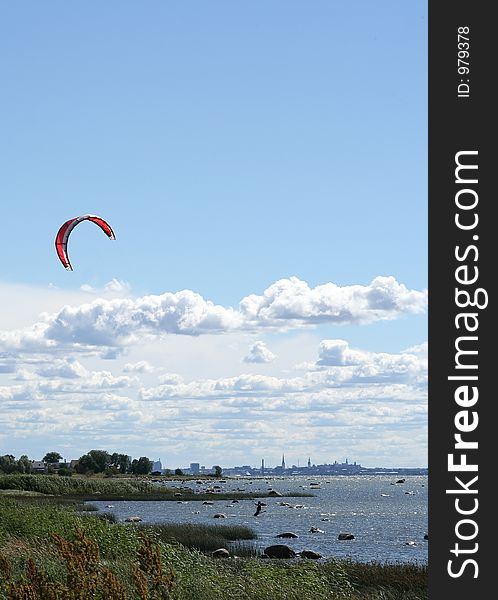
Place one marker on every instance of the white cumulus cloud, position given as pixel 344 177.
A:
pixel 346 364
pixel 259 353
pixel 142 366
pixel 292 300
pixel 67 369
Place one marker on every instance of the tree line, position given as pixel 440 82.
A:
pixel 94 461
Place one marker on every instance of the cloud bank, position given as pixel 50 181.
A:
pixel 348 400
pixel 286 304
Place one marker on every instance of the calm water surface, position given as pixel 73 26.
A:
pixel 388 519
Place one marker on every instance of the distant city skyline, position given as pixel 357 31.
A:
pixel 159 463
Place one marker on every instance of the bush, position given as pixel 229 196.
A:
pixel 65 472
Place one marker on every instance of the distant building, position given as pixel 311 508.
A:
pixel 195 468
pixel 157 465
pixel 262 466
pixel 309 462
pixel 283 461
pixel 38 466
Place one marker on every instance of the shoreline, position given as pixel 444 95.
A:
pixel 41 533
pixel 35 526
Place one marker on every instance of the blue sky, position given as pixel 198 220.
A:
pixel 230 145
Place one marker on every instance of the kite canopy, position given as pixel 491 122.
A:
pixel 64 232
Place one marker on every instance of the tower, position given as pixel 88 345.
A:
pixel 262 466
pixel 309 462
pixel 283 461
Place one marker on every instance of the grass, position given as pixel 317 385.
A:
pixel 67 486
pixel 88 488
pixel 19 493
pixel 43 545
pixel 204 538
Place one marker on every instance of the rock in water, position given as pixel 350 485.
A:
pixel 133 520
pixel 279 551
pixel 274 493
pixel 310 554
pixel 219 516
pixel 345 536
pixel 287 534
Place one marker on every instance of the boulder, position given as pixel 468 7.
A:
pixel 234 501
pixel 426 536
pixel 401 481
pixel 220 553
pixel 208 502
pixel 310 554
pixel 133 520
pixel 219 516
pixel 274 494
pixel 345 536
pixel 279 551
pixel 316 530
pixel 287 534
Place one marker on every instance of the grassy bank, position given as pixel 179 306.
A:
pixel 88 488
pixel 44 546
pixel 204 538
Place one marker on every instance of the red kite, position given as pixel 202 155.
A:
pixel 64 232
